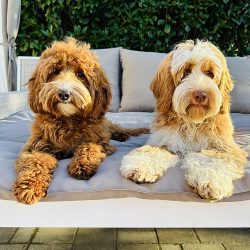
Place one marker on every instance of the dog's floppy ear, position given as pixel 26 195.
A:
pixel 34 86
pixel 39 77
pixel 225 86
pixel 225 82
pixel 102 93
pixel 163 86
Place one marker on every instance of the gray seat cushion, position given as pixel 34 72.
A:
pixel 108 183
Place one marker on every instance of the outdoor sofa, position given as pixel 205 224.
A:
pixel 108 199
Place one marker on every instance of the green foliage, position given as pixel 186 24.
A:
pixel 149 25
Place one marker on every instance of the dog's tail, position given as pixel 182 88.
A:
pixel 122 134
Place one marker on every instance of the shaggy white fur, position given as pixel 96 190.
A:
pixel 211 177
pixel 175 142
pixel 197 53
pixel 147 163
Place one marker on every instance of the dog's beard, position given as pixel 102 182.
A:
pixel 66 109
pixel 79 101
pixel 183 103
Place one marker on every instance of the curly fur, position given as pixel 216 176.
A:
pixel 65 127
pixel 201 132
pixel 147 164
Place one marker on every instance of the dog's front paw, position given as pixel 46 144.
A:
pixel 121 136
pixel 108 149
pixel 82 172
pixel 210 177
pixel 147 164
pixel 141 175
pixel 211 189
pixel 86 161
pixel 29 190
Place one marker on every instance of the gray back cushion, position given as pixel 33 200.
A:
pixel 110 61
pixel 139 69
pixel 239 68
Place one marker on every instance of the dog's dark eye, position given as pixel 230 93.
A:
pixel 80 74
pixel 209 74
pixel 55 72
pixel 186 73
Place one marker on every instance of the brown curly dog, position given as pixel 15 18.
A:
pixel 69 94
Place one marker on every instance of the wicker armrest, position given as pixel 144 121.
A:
pixel 12 102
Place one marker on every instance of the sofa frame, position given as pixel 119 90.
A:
pixel 119 212
pixel 126 213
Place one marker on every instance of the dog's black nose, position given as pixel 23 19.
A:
pixel 63 94
pixel 200 96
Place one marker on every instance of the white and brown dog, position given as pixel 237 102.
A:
pixel 192 124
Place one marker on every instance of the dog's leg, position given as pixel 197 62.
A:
pixel 122 134
pixel 211 172
pixel 34 174
pixel 147 164
pixel 87 159
pixel 231 153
